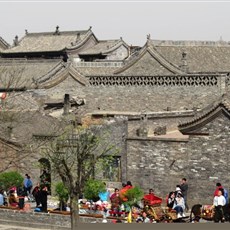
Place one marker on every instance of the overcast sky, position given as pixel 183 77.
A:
pixel 131 20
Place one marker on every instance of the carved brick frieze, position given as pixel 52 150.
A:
pixel 195 80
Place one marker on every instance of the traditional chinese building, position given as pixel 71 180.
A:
pixel 172 98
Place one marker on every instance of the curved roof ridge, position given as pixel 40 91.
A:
pixel 77 75
pixel 6 44
pixel 51 73
pixel 206 114
pixel 86 37
pixel 53 82
pixel 165 62
pixel 155 55
pixel 61 76
pixel 132 61
pixel 116 45
pixel 154 47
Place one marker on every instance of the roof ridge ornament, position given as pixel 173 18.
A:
pixel 184 65
pixel 57 32
pixel 16 42
pixel 148 40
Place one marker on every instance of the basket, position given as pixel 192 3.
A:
pixel 157 213
pixel 207 212
pixel 171 214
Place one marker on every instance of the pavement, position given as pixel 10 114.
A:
pixel 11 227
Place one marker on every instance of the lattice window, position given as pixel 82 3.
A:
pixel 154 80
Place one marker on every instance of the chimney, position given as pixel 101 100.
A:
pixel 16 42
pixel 66 104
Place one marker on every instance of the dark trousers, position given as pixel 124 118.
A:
pixel 21 202
pixel 38 200
pixel 185 202
pixel 219 214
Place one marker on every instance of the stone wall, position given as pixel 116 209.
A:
pixel 137 98
pixel 154 120
pixel 41 220
pixel 203 160
pixel 113 134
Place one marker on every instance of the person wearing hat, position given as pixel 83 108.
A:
pixel 179 205
pixel 178 190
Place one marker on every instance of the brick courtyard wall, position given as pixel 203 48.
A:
pixel 139 99
pixel 41 220
pixel 203 160
pixel 134 98
pixel 158 119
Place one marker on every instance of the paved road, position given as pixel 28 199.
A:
pixel 9 227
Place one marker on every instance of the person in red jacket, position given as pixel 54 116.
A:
pixel 218 187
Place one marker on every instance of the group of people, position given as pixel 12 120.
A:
pixel 39 192
pixel 177 200
pixel 220 203
pixel 16 196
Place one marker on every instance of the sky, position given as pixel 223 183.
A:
pixel 131 20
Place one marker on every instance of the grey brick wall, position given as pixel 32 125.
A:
pixel 203 160
pixel 137 98
pixel 41 220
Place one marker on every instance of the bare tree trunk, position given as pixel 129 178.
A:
pixel 74 212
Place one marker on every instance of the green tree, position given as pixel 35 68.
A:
pixel 73 157
pixel 93 188
pixel 10 179
pixel 62 194
pixel 133 195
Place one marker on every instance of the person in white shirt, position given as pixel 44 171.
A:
pixel 219 202
pixel 179 205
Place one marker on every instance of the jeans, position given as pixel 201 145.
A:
pixel 178 209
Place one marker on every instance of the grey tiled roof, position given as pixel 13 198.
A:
pixel 21 72
pixel 205 115
pixel 21 101
pixel 25 124
pixel 49 41
pixel 96 71
pixel 201 57
pixel 103 47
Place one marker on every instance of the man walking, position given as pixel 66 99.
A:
pixel 184 190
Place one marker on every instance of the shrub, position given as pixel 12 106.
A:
pixel 93 188
pixel 62 193
pixel 10 179
pixel 134 195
